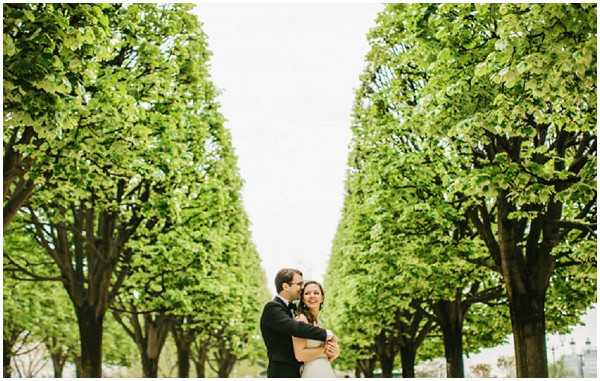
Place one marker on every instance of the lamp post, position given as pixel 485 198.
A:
pixel 581 365
pixel 572 343
pixel 580 355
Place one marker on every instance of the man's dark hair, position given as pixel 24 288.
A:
pixel 285 276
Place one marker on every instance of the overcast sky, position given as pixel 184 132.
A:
pixel 287 73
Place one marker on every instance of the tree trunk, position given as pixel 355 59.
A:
pixel 407 355
pixel 7 347
pixel 200 358
pixel 152 342
pixel 57 355
pixel 226 364
pixel 200 368
pixel 450 316
pixel 183 362
pixel 387 366
pixel 200 363
pixel 183 359
pixel 412 329
pixel 529 330
pixel 90 333
pixel 526 280
pixel 78 371
pixel 58 363
pixel 384 348
pixel 149 366
pixel 183 341
pixel 367 367
pixel 149 339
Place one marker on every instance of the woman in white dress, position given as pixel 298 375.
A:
pixel 316 355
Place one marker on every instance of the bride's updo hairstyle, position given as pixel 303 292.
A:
pixel 303 308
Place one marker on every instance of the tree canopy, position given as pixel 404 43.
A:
pixel 120 171
pixel 472 173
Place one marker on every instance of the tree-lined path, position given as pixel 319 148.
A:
pixel 470 199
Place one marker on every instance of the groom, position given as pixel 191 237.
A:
pixel 277 325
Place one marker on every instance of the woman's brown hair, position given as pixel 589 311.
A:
pixel 303 308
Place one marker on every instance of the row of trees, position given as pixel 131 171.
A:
pixel 121 186
pixel 470 207
pixel 38 318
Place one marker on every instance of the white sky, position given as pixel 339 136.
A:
pixel 287 74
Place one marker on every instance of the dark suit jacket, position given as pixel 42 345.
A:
pixel 277 326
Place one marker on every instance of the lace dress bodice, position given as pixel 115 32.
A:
pixel 319 367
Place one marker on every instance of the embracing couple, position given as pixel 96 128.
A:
pixel 297 346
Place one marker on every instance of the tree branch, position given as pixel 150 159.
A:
pixel 20 269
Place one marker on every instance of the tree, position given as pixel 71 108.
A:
pixel 440 155
pixel 407 180
pixel 373 309
pixel 57 330
pixel 150 335
pixel 39 321
pixel 193 276
pixel 140 117
pixel 200 355
pixel 226 311
pixel 33 321
pixel 41 95
pixel 524 136
pixel 404 215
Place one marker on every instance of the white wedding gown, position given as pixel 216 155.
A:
pixel 319 367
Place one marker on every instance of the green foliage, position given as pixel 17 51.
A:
pixel 137 193
pixel 52 55
pixel 463 110
pixel 558 369
pixel 21 310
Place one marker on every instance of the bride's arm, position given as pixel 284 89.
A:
pixel 305 354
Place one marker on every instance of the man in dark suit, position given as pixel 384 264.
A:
pixel 277 325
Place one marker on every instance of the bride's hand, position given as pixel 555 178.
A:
pixel 332 350
pixel 302 318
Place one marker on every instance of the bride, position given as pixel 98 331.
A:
pixel 316 355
